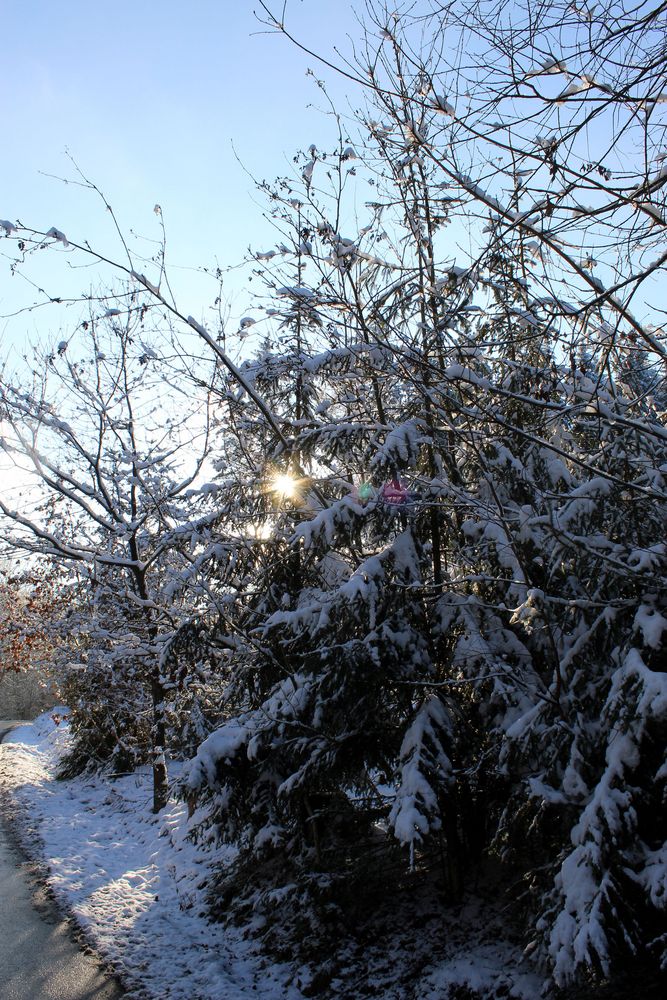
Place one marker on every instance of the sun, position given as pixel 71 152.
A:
pixel 285 486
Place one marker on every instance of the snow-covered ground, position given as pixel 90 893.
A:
pixel 134 883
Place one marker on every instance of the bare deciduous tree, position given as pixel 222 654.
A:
pixel 113 459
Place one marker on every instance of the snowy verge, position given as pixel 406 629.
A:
pixel 136 887
pixel 131 880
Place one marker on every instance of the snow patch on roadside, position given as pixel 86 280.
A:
pixel 131 879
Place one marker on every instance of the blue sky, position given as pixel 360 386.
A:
pixel 148 96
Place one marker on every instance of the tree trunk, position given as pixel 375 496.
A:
pixel 160 777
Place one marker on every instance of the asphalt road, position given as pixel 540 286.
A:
pixel 39 959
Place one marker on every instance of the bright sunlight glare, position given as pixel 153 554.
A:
pixel 285 486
